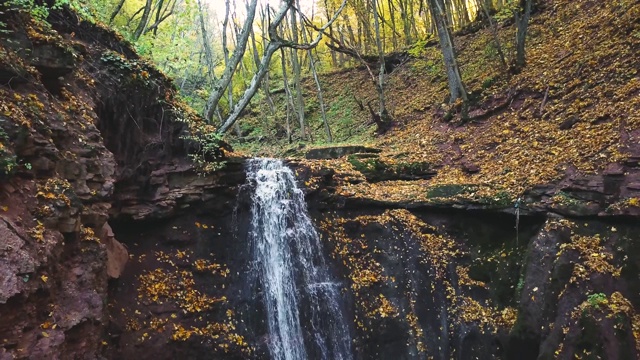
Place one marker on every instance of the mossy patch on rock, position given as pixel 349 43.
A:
pixel 567 204
pixel 335 152
pixel 469 194
pixel 376 169
pixel 450 190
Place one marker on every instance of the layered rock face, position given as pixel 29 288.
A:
pixel 450 277
pixel 449 274
pixel 95 184
pixel 88 132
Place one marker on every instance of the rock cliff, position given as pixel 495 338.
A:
pixel 88 132
pixel 112 246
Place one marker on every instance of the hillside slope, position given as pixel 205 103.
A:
pixel 573 108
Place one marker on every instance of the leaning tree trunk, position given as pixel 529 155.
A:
pixel 314 72
pixel 143 21
pixel 116 11
pixel 235 59
pixel 494 31
pixel 275 43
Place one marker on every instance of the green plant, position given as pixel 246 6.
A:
pixel 40 12
pixel 8 161
pixel 596 300
pixel 209 154
pixel 118 60
pixel 490 51
pixel 488 82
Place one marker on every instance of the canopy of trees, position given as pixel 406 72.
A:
pixel 257 48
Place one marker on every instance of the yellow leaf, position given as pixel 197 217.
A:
pixel 44 333
pixel 44 278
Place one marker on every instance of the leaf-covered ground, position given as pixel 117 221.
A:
pixel 574 107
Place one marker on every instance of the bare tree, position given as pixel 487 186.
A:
pixel 234 60
pixel 287 93
pixel 494 31
pixel 384 119
pixel 314 72
pixel 296 67
pixel 256 59
pixel 274 44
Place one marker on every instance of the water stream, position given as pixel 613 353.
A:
pixel 302 300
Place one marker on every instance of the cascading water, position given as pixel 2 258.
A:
pixel 301 299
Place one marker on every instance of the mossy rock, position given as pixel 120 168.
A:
pixel 375 169
pixel 499 199
pixel 335 152
pixel 450 190
pixel 566 204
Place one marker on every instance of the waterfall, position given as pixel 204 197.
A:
pixel 301 299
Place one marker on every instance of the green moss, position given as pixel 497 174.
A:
pixel 374 169
pixel 450 190
pixel 499 199
pixel 366 165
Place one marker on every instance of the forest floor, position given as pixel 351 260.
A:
pixel 574 107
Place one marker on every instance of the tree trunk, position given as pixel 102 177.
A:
pixel 384 118
pixel 287 94
pixel 464 12
pixel 295 64
pixel 392 16
pixel 116 11
pixel 494 31
pixel 406 22
pixel 208 54
pixel 456 86
pixel 143 20
pixel 232 65
pixel 522 15
pixel 161 15
pixel 265 81
pixel 225 49
pixel 274 44
pixel 314 72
